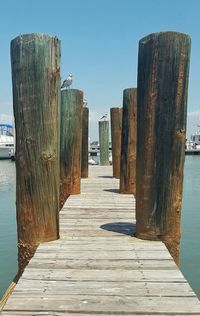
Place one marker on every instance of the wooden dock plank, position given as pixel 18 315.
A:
pixel 108 288
pixel 106 304
pixel 98 267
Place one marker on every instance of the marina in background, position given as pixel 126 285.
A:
pixel 7 145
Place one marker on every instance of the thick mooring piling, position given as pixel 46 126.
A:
pixel 70 142
pixel 128 142
pixel 163 69
pixel 84 156
pixel 116 131
pixel 104 142
pixel 35 60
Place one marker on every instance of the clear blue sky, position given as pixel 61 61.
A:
pixel 99 44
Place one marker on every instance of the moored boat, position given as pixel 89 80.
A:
pixel 6 141
pixel 192 146
pixel 92 162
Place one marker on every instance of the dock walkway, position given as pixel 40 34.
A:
pixel 97 267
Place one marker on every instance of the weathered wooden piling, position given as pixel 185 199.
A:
pixel 104 142
pixel 84 157
pixel 35 60
pixel 116 131
pixel 128 143
pixel 163 69
pixel 70 142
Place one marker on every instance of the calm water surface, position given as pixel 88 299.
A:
pixel 190 242
pixel 8 235
pixel 190 226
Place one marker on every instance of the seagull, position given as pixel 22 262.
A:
pixel 104 117
pixel 85 102
pixel 67 82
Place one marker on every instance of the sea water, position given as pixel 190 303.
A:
pixel 190 225
pixel 8 230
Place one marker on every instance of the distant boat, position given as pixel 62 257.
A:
pixel 92 162
pixel 192 147
pixel 6 141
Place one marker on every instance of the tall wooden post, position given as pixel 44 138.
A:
pixel 116 131
pixel 84 158
pixel 70 143
pixel 163 69
pixel 35 60
pixel 104 142
pixel 129 139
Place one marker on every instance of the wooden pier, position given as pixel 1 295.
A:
pixel 97 267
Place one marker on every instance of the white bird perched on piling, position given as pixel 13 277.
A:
pixel 85 103
pixel 104 117
pixel 67 82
